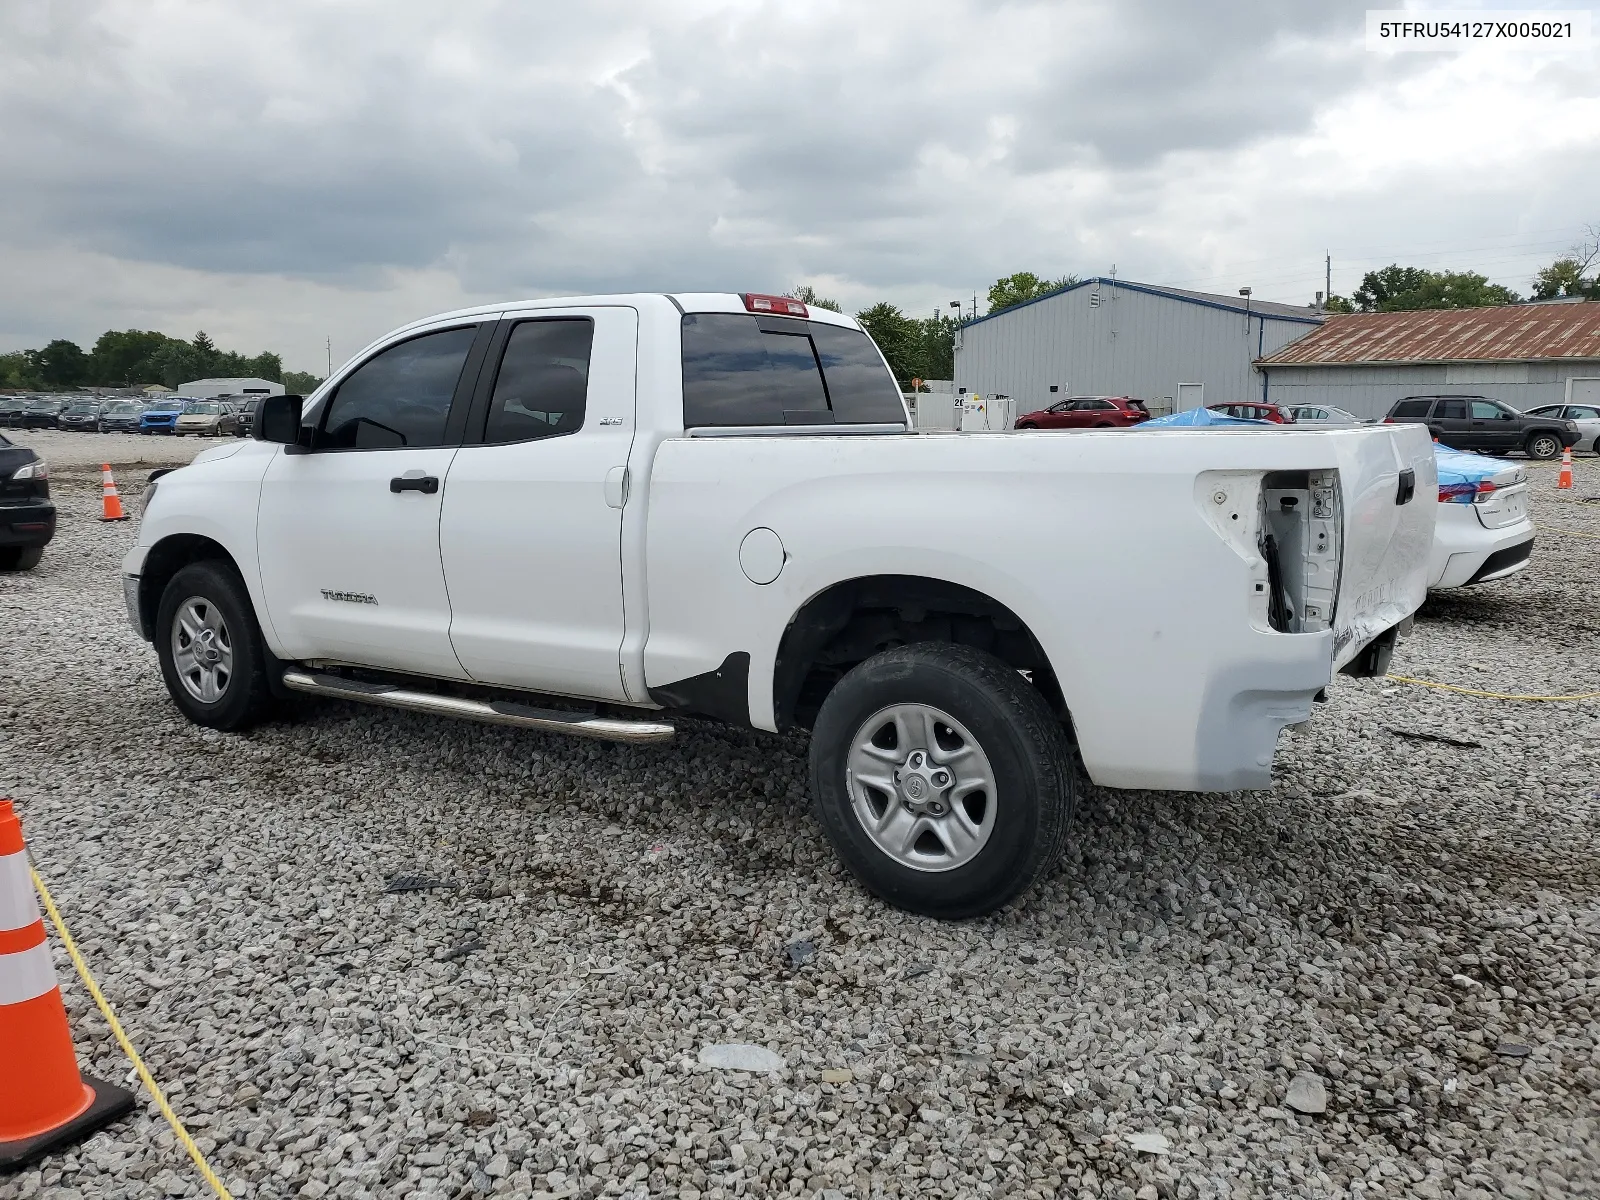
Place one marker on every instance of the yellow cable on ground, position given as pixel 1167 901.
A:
pixel 1594 537
pixel 1450 687
pixel 122 1040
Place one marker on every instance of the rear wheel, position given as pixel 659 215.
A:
pixel 1543 446
pixel 942 779
pixel 20 558
pixel 213 658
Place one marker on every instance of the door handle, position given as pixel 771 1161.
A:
pixel 426 484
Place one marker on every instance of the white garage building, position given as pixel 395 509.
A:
pixel 1523 354
pixel 1171 348
pixel 206 388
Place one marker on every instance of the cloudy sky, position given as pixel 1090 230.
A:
pixel 280 173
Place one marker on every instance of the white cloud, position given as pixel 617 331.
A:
pixel 275 173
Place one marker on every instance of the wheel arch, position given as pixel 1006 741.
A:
pixel 853 619
pixel 164 560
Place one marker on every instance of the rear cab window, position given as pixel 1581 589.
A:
pixel 745 369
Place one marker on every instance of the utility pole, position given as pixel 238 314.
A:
pixel 1327 282
pixel 330 357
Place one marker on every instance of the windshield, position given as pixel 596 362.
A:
pixel 81 408
pixel 203 408
pixel 123 408
pixel 44 405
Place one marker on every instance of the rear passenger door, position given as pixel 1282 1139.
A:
pixel 531 525
pixel 1453 424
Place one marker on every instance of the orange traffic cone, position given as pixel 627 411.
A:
pixel 110 501
pixel 1564 480
pixel 44 1102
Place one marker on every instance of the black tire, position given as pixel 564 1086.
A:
pixel 20 558
pixel 1015 729
pixel 1543 446
pixel 1027 425
pixel 245 698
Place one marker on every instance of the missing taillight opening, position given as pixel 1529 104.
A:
pixel 783 306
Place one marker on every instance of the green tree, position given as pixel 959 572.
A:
pixel 61 364
pixel 1564 277
pixel 300 383
pixel 898 336
pixel 1336 304
pixel 17 371
pixel 938 360
pixel 126 357
pixel 1022 287
pixel 807 294
pixel 1401 289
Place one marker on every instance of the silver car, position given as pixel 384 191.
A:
pixel 1322 414
pixel 1585 416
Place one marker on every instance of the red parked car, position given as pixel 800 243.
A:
pixel 1252 410
pixel 1087 412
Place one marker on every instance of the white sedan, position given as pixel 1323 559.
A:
pixel 1483 531
pixel 1323 414
pixel 1585 416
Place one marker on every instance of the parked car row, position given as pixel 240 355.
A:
pixel 175 415
pixel 1472 423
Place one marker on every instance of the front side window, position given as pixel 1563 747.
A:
pixel 1483 410
pixel 1582 412
pixel 400 397
pixel 543 382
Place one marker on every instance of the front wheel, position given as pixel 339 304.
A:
pixel 213 658
pixel 1543 446
pixel 942 779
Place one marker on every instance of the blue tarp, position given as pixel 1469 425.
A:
pixel 1196 418
pixel 1460 473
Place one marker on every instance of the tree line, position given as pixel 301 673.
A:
pixel 137 357
pixel 1407 289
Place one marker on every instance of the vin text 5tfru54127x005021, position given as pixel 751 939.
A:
pixel 591 515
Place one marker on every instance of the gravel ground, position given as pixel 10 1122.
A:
pixel 1411 924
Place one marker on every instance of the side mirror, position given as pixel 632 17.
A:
pixel 278 420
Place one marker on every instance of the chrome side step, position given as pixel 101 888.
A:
pixel 494 712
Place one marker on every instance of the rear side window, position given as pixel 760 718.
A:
pixel 748 370
pixel 543 383
pixel 1412 408
pixel 1452 410
pixel 400 396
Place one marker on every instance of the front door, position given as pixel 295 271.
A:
pixel 1493 428
pixel 532 522
pixel 348 532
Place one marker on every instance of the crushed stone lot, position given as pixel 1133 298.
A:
pixel 1410 928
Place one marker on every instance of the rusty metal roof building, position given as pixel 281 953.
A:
pixel 1511 333
pixel 1528 355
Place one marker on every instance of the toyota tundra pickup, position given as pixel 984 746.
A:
pixel 598 515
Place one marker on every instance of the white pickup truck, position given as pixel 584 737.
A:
pixel 594 515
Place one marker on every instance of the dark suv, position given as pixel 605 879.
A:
pixel 1487 426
